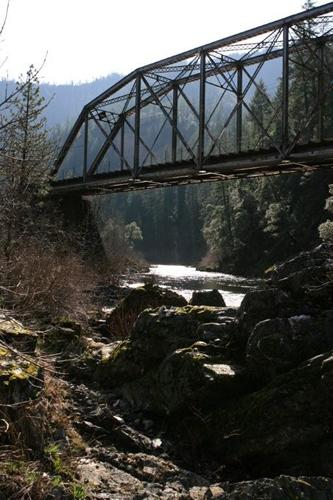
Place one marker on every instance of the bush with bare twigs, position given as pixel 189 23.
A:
pixel 45 279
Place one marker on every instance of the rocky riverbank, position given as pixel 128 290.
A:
pixel 173 400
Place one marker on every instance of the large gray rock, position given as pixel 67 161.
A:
pixel 191 377
pixel 286 426
pixel 124 476
pixel 263 304
pixel 277 345
pixel 207 298
pixel 279 488
pixel 123 317
pixel 157 333
pixel 317 257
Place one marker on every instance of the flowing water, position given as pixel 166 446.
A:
pixel 185 279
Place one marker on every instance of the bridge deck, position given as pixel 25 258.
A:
pixel 303 159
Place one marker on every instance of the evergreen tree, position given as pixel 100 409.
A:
pixel 24 169
pixel 261 115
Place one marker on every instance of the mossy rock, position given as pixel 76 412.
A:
pixel 120 365
pixel 16 375
pixel 15 334
pixel 65 335
pixel 123 317
pixel 68 323
pixel 157 333
pixel 187 378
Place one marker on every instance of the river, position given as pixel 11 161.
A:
pixel 185 279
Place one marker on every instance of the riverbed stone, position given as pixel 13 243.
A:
pixel 17 335
pixel 279 488
pixel 122 318
pixel 156 334
pixel 284 427
pixel 259 305
pixel 277 345
pixel 207 298
pixel 119 365
pixel 191 377
pixel 316 257
pixel 320 297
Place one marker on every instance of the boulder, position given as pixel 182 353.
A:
pixel 124 476
pixel 263 304
pixel 279 488
pixel 64 335
pixel 191 377
pixel 277 345
pixel 118 365
pixel 160 332
pixel 286 427
pixel 16 376
pixel 17 335
pixel 207 298
pixel 156 334
pixel 317 257
pixel 122 318
pixel 295 283
pixel 320 297
pixel 21 380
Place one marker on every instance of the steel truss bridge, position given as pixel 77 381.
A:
pixel 185 119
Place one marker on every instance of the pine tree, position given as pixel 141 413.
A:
pixel 26 155
pixel 261 114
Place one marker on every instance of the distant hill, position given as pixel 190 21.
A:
pixel 67 100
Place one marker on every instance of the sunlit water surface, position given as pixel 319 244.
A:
pixel 185 279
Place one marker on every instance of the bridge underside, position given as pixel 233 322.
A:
pixel 253 104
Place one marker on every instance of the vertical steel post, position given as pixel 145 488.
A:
pixel 285 90
pixel 239 117
pixel 202 110
pixel 85 147
pixel 174 123
pixel 122 143
pixel 136 158
pixel 321 101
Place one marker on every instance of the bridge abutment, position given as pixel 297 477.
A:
pixel 79 219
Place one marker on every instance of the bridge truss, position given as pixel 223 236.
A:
pixel 186 118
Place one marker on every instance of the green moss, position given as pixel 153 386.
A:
pixel 117 352
pixel 11 327
pixel 13 368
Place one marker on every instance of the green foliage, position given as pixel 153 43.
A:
pixel 54 453
pixel 78 492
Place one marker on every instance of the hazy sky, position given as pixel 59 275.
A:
pixel 85 39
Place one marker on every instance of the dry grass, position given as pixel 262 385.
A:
pixel 47 280
pixel 35 462
pixel 122 323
